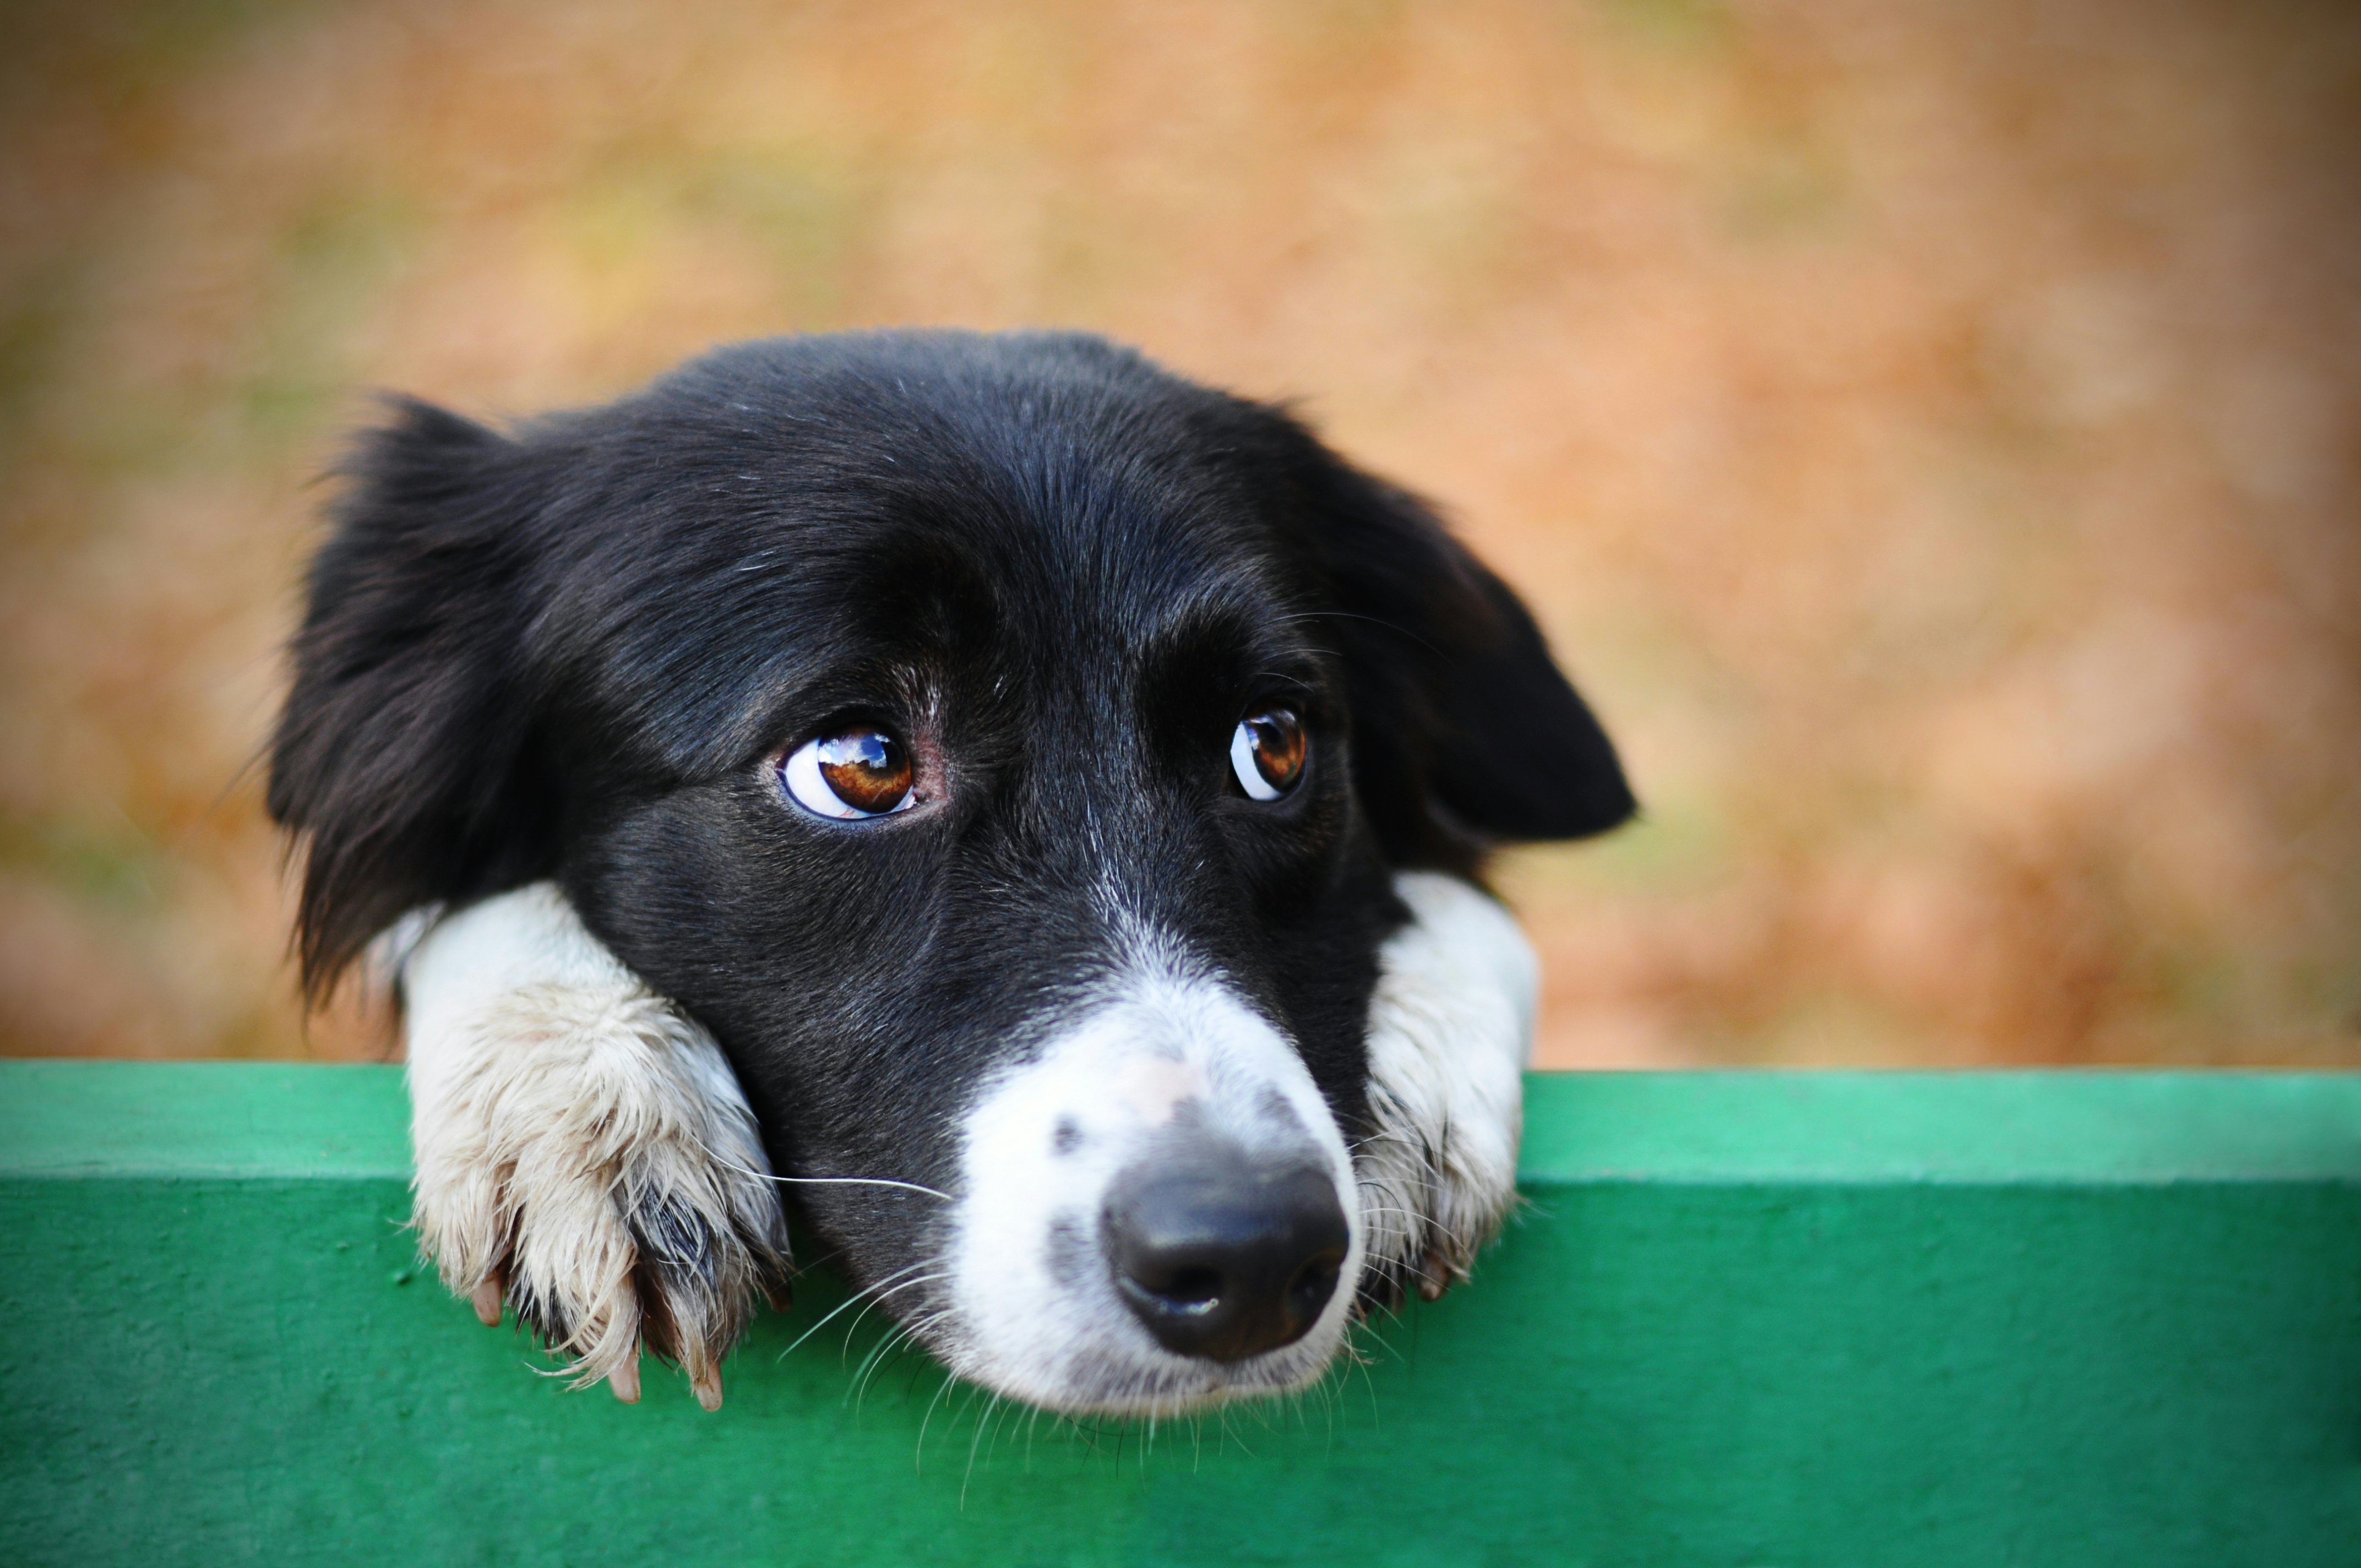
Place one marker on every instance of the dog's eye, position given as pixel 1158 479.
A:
pixel 853 774
pixel 1266 754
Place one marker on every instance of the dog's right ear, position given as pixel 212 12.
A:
pixel 404 758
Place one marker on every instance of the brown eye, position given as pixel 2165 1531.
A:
pixel 1266 754
pixel 853 774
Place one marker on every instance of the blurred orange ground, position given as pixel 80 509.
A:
pixel 1930 433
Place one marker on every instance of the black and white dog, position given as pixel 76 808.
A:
pixel 1029 802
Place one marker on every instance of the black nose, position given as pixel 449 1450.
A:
pixel 1225 1258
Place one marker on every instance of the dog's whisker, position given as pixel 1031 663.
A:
pixel 973 1443
pixel 853 1299
pixel 820 1180
pixel 904 1334
pixel 901 1335
pixel 918 1458
pixel 879 1296
pixel 855 1181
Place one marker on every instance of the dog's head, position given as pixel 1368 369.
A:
pixel 1008 749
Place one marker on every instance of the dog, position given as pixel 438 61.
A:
pixel 1022 806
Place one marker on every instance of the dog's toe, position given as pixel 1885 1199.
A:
pixel 625 1380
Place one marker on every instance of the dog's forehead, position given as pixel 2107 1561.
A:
pixel 791 530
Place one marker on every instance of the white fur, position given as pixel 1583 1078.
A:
pixel 554 1097
pixel 1451 1027
pixel 1165 1040
pixel 561 1113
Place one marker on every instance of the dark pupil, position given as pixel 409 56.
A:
pixel 866 769
pixel 1278 747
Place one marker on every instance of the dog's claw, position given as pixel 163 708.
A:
pixel 708 1385
pixel 487 1300
pixel 625 1380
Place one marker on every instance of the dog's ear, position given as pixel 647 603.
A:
pixel 403 758
pixel 1464 731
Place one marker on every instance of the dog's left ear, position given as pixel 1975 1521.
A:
pixel 1464 731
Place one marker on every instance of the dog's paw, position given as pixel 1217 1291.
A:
pixel 1450 1027
pixel 583 1149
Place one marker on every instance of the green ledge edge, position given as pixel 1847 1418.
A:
pixel 1744 1319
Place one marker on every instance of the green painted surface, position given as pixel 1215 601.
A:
pixel 199 1119
pixel 1767 1320
pixel 1914 1126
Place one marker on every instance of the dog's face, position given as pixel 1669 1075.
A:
pixel 1006 749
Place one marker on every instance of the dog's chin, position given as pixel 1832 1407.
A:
pixel 1123 1377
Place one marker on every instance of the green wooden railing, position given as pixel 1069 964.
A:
pixel 1747 1320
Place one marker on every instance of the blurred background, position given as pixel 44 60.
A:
pixel 1930 433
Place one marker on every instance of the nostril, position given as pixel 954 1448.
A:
pixel 1193 1288
pixel 1170 1295
pixel 1309 1291
pixel 1222 1257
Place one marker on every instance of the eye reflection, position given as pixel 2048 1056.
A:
pixel 855 772
pixel 1267 753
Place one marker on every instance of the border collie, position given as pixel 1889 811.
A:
pixel 1023 805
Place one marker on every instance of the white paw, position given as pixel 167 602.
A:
pixel 583 1148
pixel 1450 1029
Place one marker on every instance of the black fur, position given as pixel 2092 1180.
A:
pixel 1062 573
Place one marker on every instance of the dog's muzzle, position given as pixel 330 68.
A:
pixel 1159 1210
